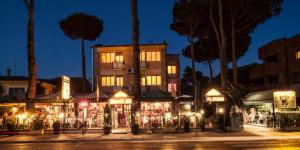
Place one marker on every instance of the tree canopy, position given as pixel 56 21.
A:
pixel 207 49
pixel 82 26
pixel 187 80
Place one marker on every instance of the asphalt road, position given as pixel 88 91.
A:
pixel 155 145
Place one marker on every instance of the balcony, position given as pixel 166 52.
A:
pixel 118 65
pixel 265 69
pixel 117 88
pixel 143 64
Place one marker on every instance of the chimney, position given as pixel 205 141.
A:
pixel 8 73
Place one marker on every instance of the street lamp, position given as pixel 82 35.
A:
pixel 14 109
pixel 221 111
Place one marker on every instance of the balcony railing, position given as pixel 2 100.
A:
pixel 117 88
pixel 118 65
pixel 143 64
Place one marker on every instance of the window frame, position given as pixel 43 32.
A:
pixel 10 87
pixel 109 81
pixel 298 54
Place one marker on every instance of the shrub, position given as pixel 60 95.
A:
pixel 135 129
pixel 186 126
pixel 11 125
pixel 220 121
pixel 56 127
pixel 38 124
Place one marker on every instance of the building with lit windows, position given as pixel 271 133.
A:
pixel 281 64
pixel 160 79
pixel 278 73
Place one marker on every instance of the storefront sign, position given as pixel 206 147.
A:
pixel 214 96
pixel 83 103
pixel 65 87
pixel 214 99
pixel 284 99
pixel 113 101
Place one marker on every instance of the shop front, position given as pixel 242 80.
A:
pixel 258 108
pixel 272 108
pixel 155 114
pixel 120 104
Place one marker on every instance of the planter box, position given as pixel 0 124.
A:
pixel 36 132
pixel 169 130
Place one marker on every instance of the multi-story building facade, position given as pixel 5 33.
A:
pixel 281 64
pixel 160 79
pixel 159 71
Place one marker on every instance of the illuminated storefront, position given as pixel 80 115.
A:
pixel 154 113
pixel 120 104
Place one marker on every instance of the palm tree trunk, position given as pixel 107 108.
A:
pixel 234 62
pixel 83 66
pixel 136 55
pixel 210 70
pixel 32 67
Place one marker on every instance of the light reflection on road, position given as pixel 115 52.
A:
pixel 125 145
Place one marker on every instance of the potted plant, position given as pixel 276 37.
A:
pixel 106 130
pixel 107 120
pixel 11 125
pixel 56 127
pixel 186 124
pixel 38 124
pixel 135 129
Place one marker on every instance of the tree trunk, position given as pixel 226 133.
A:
pixel 210 70
pixel 32 67
pixel 195 83
pixel 234 61
pixel 136 55
pixel 83 66
pixel 222 52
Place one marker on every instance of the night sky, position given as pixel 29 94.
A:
pixel 57 54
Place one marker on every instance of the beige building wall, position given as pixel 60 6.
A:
pixel 148 68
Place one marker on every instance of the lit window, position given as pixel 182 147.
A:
pixel 150 56
pixel 142 56
pixel 298 54
pixel 143 81
pixel 172 87
pixel 153 80
pixel 119 81
pixel 149 80
pixel 171 69
pixel 108 81
pixel 108 57
pixel 119 57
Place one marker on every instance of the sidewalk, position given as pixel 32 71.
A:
pixel 250 133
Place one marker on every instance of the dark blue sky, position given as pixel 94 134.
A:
pixel 57 54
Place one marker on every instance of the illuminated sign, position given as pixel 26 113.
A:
pixel 65 87
pixel 284 99
pixel 84 103
pixel 120 98
pixel 214 96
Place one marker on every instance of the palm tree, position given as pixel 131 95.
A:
pixel 83 27
pixel 32 68
pixel 136 60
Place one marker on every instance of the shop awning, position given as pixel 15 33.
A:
pixel 259 97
